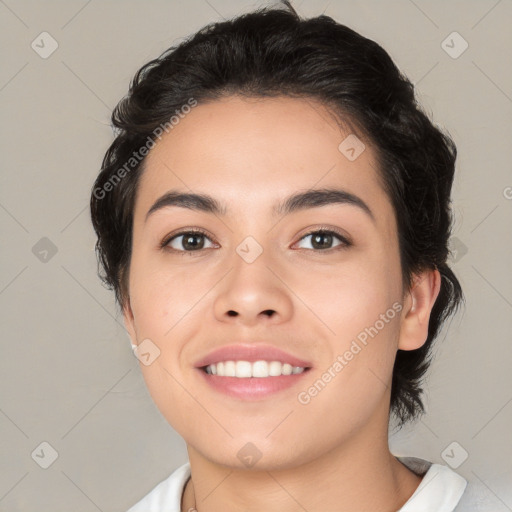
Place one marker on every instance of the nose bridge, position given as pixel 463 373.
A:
pixel 251 288
pixel 250 270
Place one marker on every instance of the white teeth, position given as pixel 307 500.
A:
pixel 229 369
pixel 259 369
pixel 274 368
pixel 287 369
pixel 245 369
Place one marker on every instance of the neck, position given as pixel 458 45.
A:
pixel 356 475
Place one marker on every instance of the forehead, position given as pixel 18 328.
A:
pixel 257 151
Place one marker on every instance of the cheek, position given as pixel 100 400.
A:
pixel 353 382
pixel 162 305
pixel 352 296
pixel 162 299
pixel 359 303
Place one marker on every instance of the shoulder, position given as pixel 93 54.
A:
pixel 167 494
pixel 440 489
pixel 444 490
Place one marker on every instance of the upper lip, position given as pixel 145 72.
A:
pixel 251 353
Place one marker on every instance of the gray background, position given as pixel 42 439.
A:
pixel 68 374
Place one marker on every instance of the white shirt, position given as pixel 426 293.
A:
pixel 440 490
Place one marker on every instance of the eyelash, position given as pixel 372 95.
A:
pixel 345 243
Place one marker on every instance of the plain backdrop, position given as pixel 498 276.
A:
pixel 68 375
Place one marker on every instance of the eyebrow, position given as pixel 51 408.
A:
pixel 313 198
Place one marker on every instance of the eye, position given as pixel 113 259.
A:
pixel 193 240
pixel 323 239
pixel 187 241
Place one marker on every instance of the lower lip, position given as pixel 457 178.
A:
pixel 252 388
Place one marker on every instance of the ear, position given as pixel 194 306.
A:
pixel 419 302
pixel 129 322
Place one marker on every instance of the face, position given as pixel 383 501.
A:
pixel 319 280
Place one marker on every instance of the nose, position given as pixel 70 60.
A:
pixel 253 293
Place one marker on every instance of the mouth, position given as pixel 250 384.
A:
pixel 251 371
pixel 252 381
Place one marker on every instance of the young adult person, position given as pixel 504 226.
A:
pixel 274 217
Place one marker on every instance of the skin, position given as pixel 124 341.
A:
pixel 331 454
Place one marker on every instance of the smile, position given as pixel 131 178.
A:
pixel 251 381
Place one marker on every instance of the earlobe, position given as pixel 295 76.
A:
pixel 415 320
